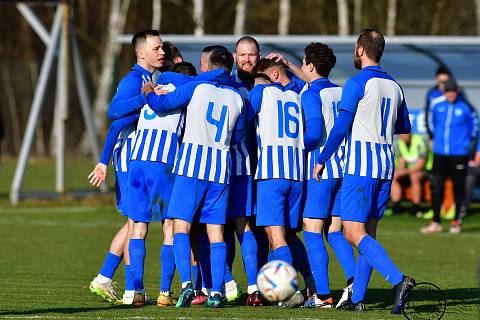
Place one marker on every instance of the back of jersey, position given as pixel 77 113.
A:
pixel 370 144
pixel 212 115
pixel 280 135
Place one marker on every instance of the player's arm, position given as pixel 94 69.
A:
pixel 403 125
pixel 296 70
pixel 128 99
pixel 177 99
pixel 311 105
pixel 254 103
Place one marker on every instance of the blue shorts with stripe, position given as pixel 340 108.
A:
pixel 279 202
pixel 323 199
pixel 195 200
pixel 149 190
pixel 240 197
pixel 364 198
pixel 121 187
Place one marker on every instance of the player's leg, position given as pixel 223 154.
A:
pixel 459 177
pixel 437 185
pixel 416 183
pixel 232 289
pixel 197 276
pixel 129 285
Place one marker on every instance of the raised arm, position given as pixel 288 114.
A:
pixel 128 99
pixel 177 99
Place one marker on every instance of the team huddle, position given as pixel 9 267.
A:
pixel 262 150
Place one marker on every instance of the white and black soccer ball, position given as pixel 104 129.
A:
pixel 277 281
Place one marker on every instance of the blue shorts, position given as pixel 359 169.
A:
pixel 323 199
pixel 195 200
pixel 150 188
pixel 240 197
pixel 364 198
pixel 121 184
pixel 279 202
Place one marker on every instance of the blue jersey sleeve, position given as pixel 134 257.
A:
pixel 177 79
pixel 255 99
pixel 239 131
pixel 337 134
pixel 312 109
pixel 128 100
pixel 403 125
pixel 177 99
pixel 112 135
pixel 351 95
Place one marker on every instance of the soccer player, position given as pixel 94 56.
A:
pixel 247 53
pixel 322 209
pixel 372 110
pixel 202 167
pixel 127 101
pixel 279 173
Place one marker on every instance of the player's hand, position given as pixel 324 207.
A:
pixel 477 158
pixel 159 90
pixel 148 87
pixel 277 57
pixel 98 175
pixel 317 171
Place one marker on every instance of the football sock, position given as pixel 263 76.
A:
pixel 363 271
pixel 343 251
pixel 263 247
pixel 110 264
pixel 128 278
pixel 284 254
pixel 379 260
pixel 196 277
pixel 167 259
pixel 136 249
pixel 299 256
pixel 249 254
pixel 181 250
pixel 227 277
pixel 205 268
pixel 218 257
pixel 318 258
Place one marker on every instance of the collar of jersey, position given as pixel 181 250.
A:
pixel 320 80
pixel 374 68
pixel 142 70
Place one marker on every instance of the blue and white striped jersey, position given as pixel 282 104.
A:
pixel 127 101
pixel 157 134
pixel 213 109
pixel 375 98
pixel 279 123
pixel 323 94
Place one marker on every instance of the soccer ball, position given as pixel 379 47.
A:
pixel 277 281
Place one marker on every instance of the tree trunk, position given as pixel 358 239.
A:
pixel 357 15
pixel 440 5
pixel 391 17
pixel 198 17
pixel 12 109
pixel 477 7
pixel 284 17
pixel 240 16
pixel 116 24
pixel 342 9
pixel 156 14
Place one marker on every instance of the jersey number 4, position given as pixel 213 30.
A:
pixel 285 119
pixel 217 123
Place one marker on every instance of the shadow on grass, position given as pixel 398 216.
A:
pixel 63 310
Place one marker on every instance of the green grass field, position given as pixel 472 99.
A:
pixel 50 253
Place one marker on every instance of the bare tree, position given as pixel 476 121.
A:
pixel 12 108
pixel 391 17
pixel 240 15
pixel 116 24
pixel 156 14
pixel 284 17
pixel 357 15
pixel 342 9
pixel 198 17
pixel 477 7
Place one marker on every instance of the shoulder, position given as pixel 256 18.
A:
pixel 438 101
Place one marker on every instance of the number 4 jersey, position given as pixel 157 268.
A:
pixel 279 122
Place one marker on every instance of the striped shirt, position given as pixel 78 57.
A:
pixel 279 125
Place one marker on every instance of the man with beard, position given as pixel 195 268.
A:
pixel 247 53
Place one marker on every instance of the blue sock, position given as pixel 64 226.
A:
pixel 379 260
pixel 284 254
pixel 129 285
pixel 167 259
pixel 218 259
pixel 249 254
pixel 318 258
pixel 196 277
pixel 363 271
pixel 229 236
pixel 299 256
pixel 137 251
pixel 343 251
pixel 228 276
pixel 181 250
pixel 205 267
pixel 263 247
pixel 110 264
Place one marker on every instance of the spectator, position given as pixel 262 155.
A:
pixel 454 126
pixel 411 151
